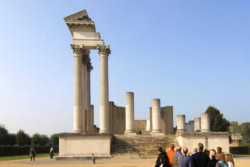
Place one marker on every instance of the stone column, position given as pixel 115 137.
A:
pixel 181 119
pixel 88 96
pixel 205 122
pixel 156 116
pixel 130 125
pixel 197 124
pixel 78 94
pixel 104 52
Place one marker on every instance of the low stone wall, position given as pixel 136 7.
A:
pixel 76 146
pixel 210 140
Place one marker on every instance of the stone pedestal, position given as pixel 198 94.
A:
pixel 130 125
pixel 181 120
pixel 156 116
pixel 197 124
pixel 82 146
pixel 205 122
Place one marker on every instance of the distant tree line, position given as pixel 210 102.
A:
pixel 242 129
pixel 23 139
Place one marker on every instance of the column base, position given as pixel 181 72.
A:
pixel 130 133
pixel 205 130
pixel 157 133
pixel 104 132
pixel 77 131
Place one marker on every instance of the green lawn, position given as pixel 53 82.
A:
pixel 16 157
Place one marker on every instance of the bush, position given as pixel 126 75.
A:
pixel 239 150
pixel 23 150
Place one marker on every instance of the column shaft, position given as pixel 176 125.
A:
pixel 197 124
pixel 156 116
pixel 130 127
pixel 84 88
pixel 78 96
pixel 181 120
pixel 88 101
pixel 205 122
pixel 104 91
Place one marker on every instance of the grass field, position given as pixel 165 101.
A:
pixel 17 157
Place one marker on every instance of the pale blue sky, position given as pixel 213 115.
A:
pixel 190 54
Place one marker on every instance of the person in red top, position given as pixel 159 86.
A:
pixel 170 154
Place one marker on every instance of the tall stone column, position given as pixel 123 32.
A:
pixel 85 60
pixel 197 124
pixel 104 52
pixel 88 96
pixel 78 94
pixel 156 116
pixel 181 120
pixel 205 122
pixel 130 125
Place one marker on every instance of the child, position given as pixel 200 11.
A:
pixel 93 158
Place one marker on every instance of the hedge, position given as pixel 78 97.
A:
pixel 24 150
pixel 239 150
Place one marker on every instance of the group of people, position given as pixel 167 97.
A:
pixel 201 157
pixel 33 153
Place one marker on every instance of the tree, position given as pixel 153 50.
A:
pixel 54 140
pixel 22 139
pixel 236 127
pixel 4 134
pixel 44 140
pixel 40 140
pixel 217 122
pixel 245 131
pixel 36 139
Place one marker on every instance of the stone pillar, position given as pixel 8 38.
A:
pixel 156 116
pixel 205 122
pixel 181 119
pixel 130 124
pixel 78 94
pixel 88 96
pixel 197 124
pixel 92 118
pixel 104 52
pixel 84 92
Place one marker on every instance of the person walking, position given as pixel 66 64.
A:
pixel 162 159
pixel 93 158
pixel 51 152
pixel 230 160
pixel 200 159
pixel 170 155
pixel 32 154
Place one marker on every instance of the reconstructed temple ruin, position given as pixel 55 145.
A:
pixel 119 132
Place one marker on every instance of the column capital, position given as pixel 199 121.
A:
pixel 104 49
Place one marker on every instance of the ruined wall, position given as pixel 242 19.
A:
pixel 116 119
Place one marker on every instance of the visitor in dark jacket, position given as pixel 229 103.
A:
pixel 162 158
pixel 212 160
pixel 200 159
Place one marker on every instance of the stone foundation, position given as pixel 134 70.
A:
pixel 80 146
pixel 210 140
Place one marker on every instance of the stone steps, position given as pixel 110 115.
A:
pixel 143 146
